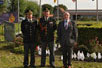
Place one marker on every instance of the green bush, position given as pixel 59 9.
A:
pixel 86 33
pixel 18 41
pixel 18 50
pixel 89 37
pixel 83 48
pixel 86 18
pixel 1 29
pixel 95 45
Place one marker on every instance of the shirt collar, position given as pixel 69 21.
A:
pixel 30 20
pixel 46 18
pixel 66 21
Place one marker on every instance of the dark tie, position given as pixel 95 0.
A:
pixel 66 26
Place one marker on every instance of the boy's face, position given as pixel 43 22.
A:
pixel 29 16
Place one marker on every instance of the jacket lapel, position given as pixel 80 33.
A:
pixel 63 26
pixel 69 26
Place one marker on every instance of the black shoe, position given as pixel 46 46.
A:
pixel 25 66
pixel 32 66
pixel 64 67
pixel 52 66
pixel 42 65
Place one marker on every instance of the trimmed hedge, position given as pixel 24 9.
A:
pixel 88 32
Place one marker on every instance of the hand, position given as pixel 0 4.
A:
pixel 75 44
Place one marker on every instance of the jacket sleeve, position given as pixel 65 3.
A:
pixel 75 31
pixel 23 28
pixel 58 33
pixel 37 32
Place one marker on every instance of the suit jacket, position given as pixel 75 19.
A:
pixel 69 35
pixel 29 30
pixel 47 29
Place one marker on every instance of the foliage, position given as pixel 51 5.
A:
pixel 83 48
pixel 89 36
pixel 1 29
pixel 22 6
pixel 47 6
pixel 88 22
pixel 61 6
pixel 3 7
pixel 18 50
pixel 86 18
pixel 34 7
pixel 89 25
pixel 95 45
pixel 89 31
pixel 18 41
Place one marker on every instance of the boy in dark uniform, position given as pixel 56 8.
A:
pixel 29 28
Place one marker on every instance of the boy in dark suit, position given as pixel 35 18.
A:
pixel 29 28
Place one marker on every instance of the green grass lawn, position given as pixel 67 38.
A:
pixel 13 60
pixel 8 59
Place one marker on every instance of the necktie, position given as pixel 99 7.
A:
pixel 66 25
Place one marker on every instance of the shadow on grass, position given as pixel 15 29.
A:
pixel 18 67
pixel 9 47
pixel 36 67
pixel 58 52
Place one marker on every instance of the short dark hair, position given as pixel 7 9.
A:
pixel 28 11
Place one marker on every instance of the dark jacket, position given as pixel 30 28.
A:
pixel 29 31
pixel 68 36
pixel 47 29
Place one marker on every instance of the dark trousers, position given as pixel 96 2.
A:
pixel 43 56
pixel 29 47
pixel 67 55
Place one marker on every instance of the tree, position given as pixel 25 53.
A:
pixel 61 6
pixel 61 9
pixel 3 7
pixel 47 6
pixel 22 6
pixel 34 7
pixel 14 4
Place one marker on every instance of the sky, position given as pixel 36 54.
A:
pixel 82 4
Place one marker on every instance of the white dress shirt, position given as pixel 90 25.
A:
pixel 66 23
